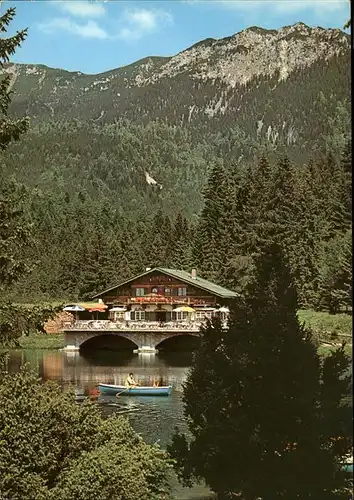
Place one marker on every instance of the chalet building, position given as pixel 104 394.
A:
pixel 148 310
pixel 164 295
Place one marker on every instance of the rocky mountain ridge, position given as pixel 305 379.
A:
pixel 254 52
pixel 233 61
pixel 286 88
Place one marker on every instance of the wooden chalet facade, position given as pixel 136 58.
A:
pixel 164 295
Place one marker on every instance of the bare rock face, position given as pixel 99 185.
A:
pixel 254 52
pixel 210 80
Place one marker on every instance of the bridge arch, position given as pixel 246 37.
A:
pixel 181 341
pixel 109 341
pixel 143 341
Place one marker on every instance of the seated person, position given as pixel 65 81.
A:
pixel 130 381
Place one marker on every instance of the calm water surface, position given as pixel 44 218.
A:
pixel 153 417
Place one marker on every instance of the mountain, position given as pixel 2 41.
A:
pixel 212 79
pixel 276 91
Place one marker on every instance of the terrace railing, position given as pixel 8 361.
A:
pixel 135 325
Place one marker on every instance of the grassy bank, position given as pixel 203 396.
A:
pixel 42 341
pixel 327 326
pixel 325 350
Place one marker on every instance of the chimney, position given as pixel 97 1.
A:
pixel 194 274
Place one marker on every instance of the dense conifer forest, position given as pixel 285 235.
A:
pixel 90 227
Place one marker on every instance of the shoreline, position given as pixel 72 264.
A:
pixel 328 331
pixel 56 342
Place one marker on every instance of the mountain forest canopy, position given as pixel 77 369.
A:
pixel 183 164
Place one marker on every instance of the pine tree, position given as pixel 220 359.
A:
pixel 182 237
pixel 254 219
pixel 345 184
pixel 335 274
pixel 10 129
pixel 13 228
pixel 263 415
pixel 214 237
pixel 158 244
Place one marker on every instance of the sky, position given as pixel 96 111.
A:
pixel 98 35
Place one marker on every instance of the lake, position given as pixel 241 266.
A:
pixel 153 417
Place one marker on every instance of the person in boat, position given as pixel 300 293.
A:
pixel 130 381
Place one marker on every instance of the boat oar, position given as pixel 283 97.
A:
pixel 119 393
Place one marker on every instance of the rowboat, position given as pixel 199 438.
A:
pixel 347 464
pixel 347 468
pixel 135 391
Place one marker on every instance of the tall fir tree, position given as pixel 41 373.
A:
pixel 335 274
pixel 182 238
pixel 14 224
pixel 214 234
pixel 10 129
pixel 345 183
pixel 255 230
pixel 13 229
pixel 260 405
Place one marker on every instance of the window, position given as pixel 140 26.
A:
pixel 202 315
pixel 154 290
pixel 139 315
pixel 181 315
pixel 167 291
pixel 119 315
pixel 182 291
pixel 140 292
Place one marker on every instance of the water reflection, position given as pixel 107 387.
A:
pixel 88 370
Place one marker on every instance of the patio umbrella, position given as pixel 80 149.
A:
pixel 184 309
pixel 96 308
pixel 74 308
pixel 224 309
pixel 94 305
pixel 117 309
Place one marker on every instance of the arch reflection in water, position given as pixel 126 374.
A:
pixel 87 370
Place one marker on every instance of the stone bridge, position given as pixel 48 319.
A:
pixel 142 340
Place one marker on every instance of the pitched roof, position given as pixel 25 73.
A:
pixel 200 282
pixel 183 276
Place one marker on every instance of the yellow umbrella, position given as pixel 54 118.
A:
pixel 184 309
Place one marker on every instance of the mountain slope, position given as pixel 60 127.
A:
pixel 212 72
pixel 276 91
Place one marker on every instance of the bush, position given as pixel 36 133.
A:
pixel 53 448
